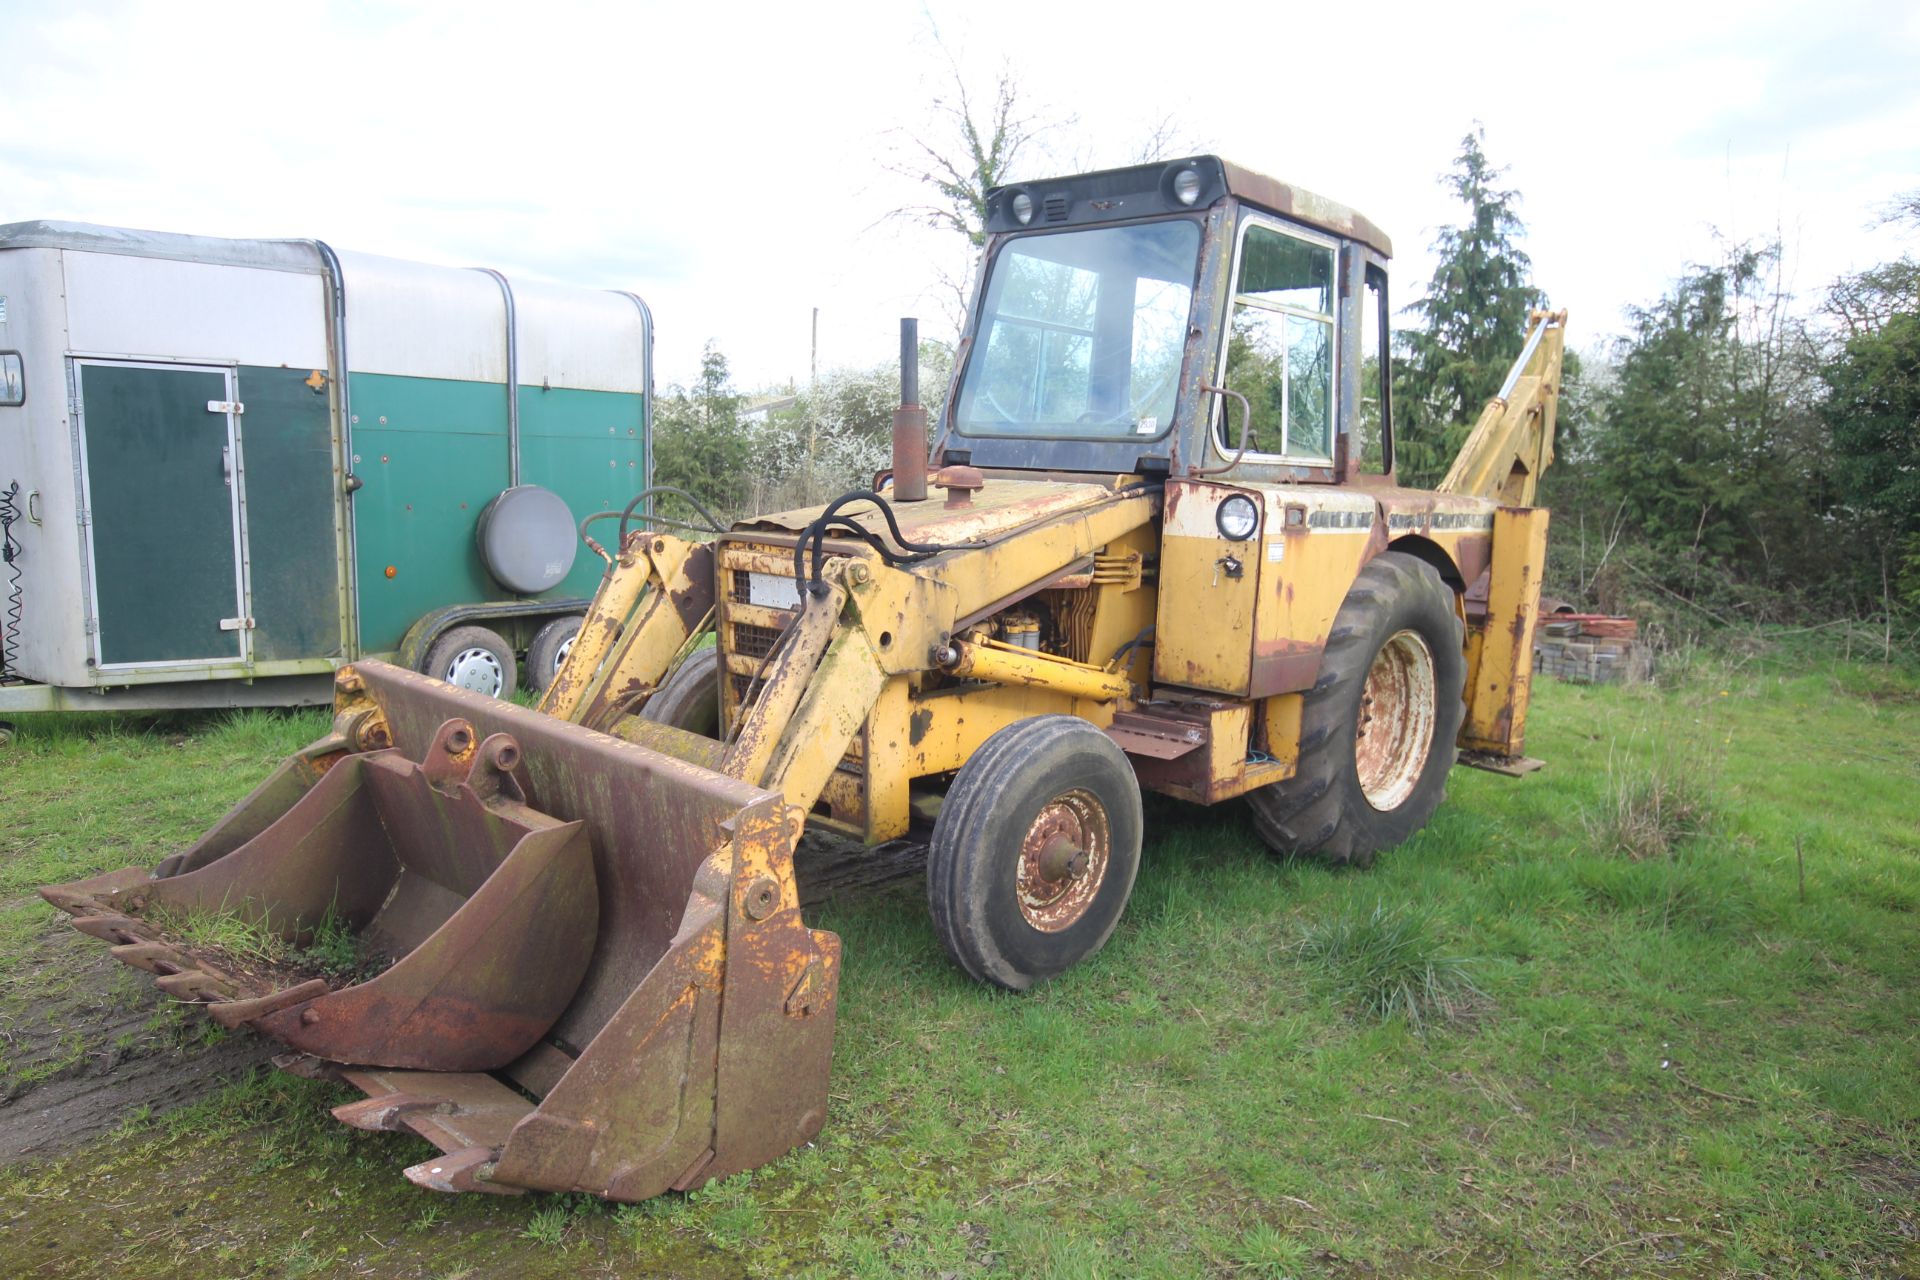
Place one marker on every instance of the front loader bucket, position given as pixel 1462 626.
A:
pixel 568 917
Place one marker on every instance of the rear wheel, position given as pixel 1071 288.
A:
pixel 1377 729
pixel 1034 852
pixel 549 650
pixel 473 658
pixel 690 697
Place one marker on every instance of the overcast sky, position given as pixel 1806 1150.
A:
pixel 729 161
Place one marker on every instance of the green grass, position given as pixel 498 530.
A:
pixel 1698 1062
pixel 1388 963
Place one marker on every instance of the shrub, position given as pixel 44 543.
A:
pixel 1651 810
pixel 1387 962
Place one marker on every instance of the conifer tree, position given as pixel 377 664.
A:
pixel 1474 319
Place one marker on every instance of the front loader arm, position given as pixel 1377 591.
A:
pixel 655 600
pixel 1512 443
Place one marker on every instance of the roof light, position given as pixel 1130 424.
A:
pixel 1022 208
pixel 1186 186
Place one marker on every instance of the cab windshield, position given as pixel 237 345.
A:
pixel 1081 334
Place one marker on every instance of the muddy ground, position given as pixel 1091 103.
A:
pixel 89 1044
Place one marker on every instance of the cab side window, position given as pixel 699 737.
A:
pixel 1375 419
pixel 1280 346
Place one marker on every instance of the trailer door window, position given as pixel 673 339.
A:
pixel 1280 346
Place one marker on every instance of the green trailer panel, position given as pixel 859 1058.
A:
pixel 294 567
pixel 588 447
pixel 431 453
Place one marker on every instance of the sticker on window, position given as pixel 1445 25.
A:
pixel 1146 426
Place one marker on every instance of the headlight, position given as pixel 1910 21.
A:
pixel 1186 186
pixel 1237 517
pixel 1022 208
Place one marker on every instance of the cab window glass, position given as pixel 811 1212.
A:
pixel 1280 346
pixel 1376 449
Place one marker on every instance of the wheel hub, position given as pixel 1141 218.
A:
pixel 1063 860
pixel 1395 730
pixel 478 670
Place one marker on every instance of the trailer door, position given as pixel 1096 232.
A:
pixel 160 493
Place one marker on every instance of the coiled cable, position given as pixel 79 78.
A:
pixel 10 552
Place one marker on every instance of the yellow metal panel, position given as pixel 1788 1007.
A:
pixel 1280 727
pixel 887 773
pixel 945 729
pixel 1209 586
pixel 1497 700
pixel 1313 544
pixel 1122 611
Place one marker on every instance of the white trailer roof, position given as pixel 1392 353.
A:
pixel 408 318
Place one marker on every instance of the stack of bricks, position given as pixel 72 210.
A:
pixel 1587 648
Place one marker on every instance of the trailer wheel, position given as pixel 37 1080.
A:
pixel 1377 729
pixel 473 658
pixel 549 650
pixel 1034 852
pixel 689 698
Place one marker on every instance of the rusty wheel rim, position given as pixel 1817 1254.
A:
pixel 1063 860
pixel 1395 730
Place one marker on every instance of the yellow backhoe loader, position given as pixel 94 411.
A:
pixel 1165 550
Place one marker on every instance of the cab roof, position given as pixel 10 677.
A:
pixel 1110 195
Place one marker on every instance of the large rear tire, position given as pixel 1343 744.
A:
pixel 1034 852
pixel 689 698
pixel 1377 729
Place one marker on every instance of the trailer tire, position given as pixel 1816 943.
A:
pixel 476 658
pixel 549 649
pixel 1365 786
pixel 689 698
pixel 1035 851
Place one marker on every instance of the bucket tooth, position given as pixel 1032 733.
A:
pixel 454 1110
pixel 111 926
pixel 234 1014
pixel 197 986
pixel 469 1170
pixel 154 957
pixel 87 897
pixel 383 1114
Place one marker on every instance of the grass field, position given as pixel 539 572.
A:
pixel 1653 1010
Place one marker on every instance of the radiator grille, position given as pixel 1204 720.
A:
pixel 750 641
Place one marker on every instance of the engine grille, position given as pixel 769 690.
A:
pixel 750 641
pixel 748 631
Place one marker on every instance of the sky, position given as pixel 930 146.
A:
pixel 734 163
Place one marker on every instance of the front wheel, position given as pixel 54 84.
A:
pixel 1034 852
pixel 1377 729
pixel 689 698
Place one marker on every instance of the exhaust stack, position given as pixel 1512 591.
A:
pixel 909 421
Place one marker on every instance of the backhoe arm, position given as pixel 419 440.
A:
pixel 1512 443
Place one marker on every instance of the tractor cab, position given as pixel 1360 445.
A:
pixel 1167 319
